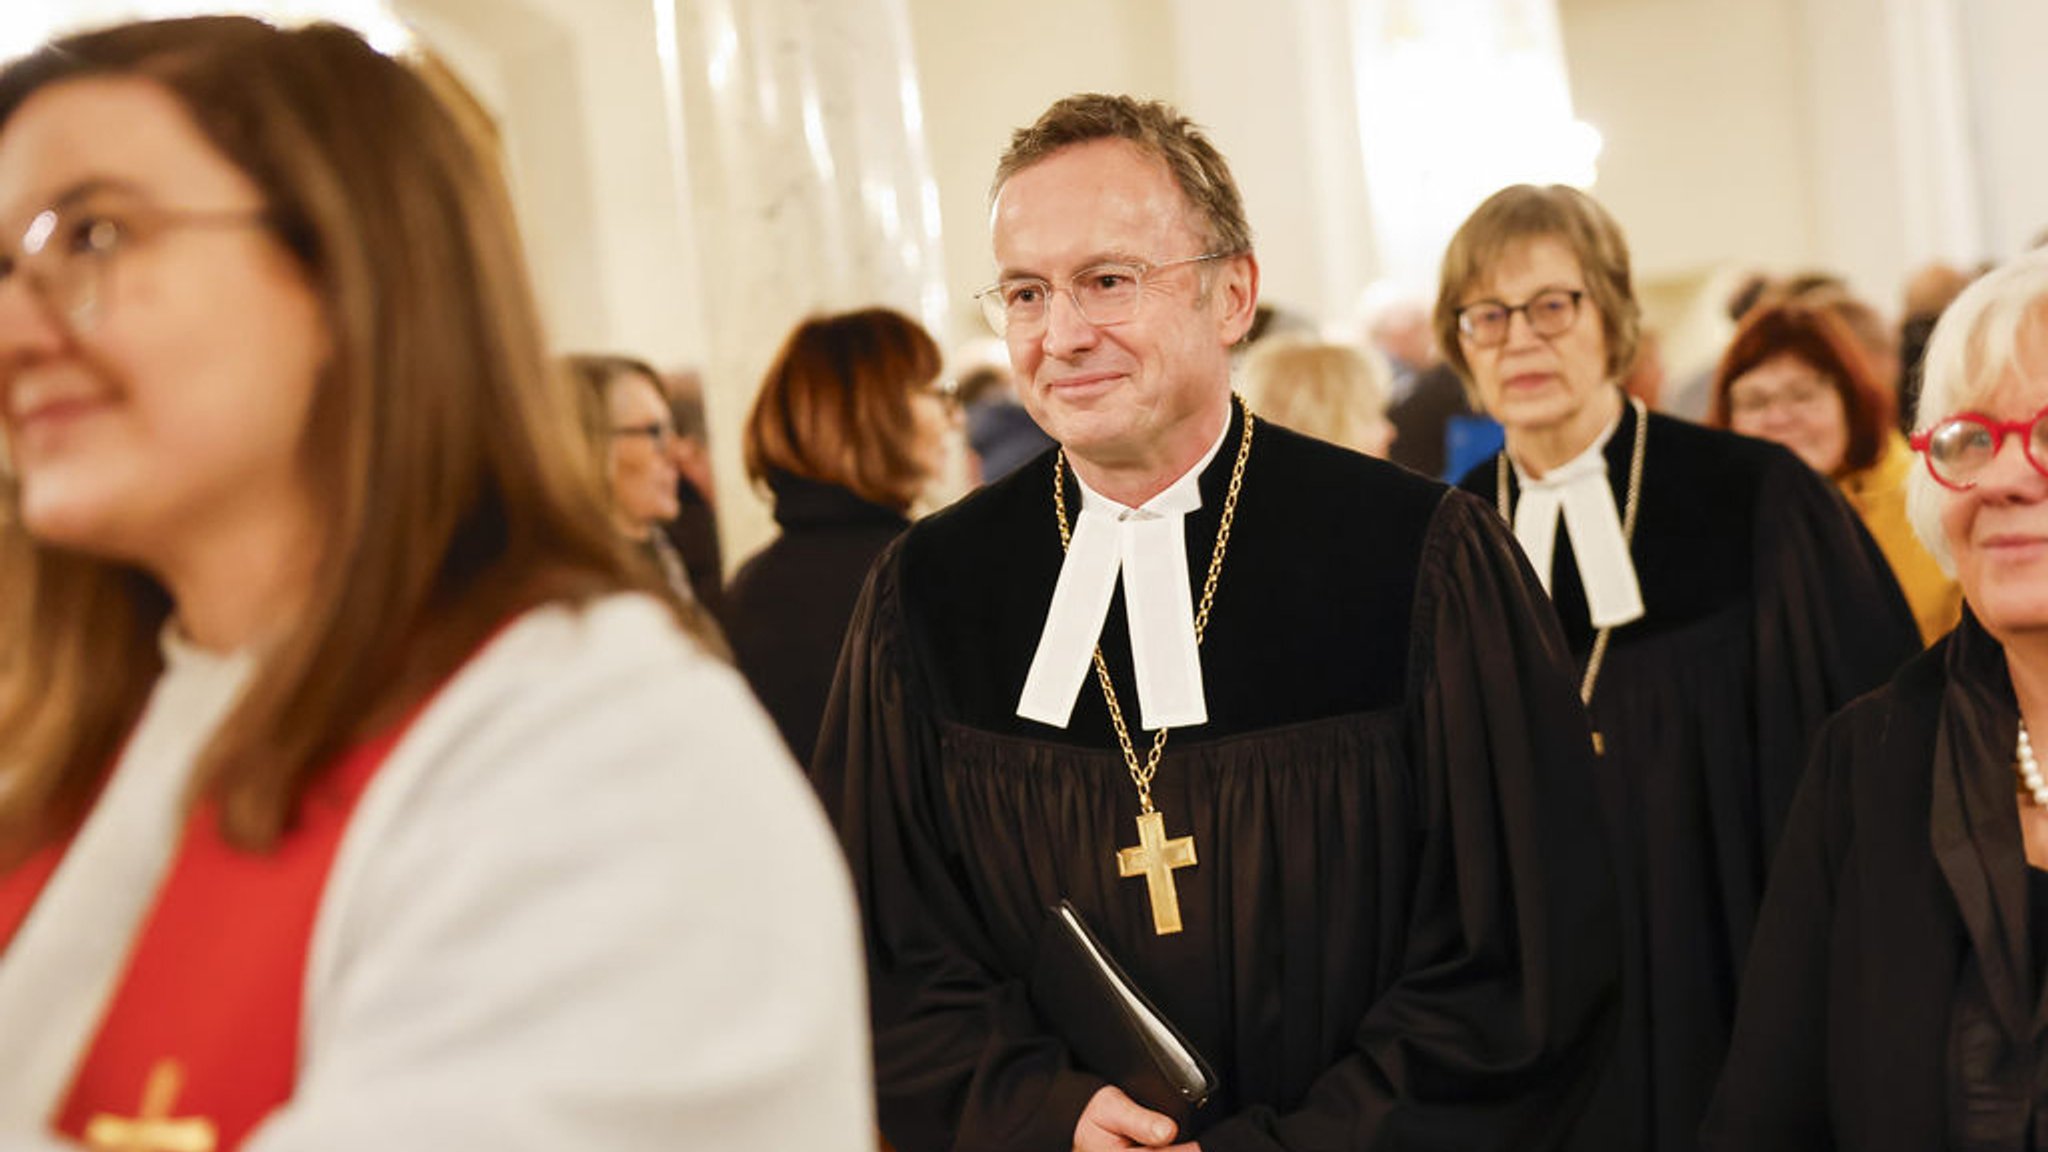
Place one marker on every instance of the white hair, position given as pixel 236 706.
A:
pixel 1975 346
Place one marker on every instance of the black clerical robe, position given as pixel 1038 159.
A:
pixel 1400 931
pixel 1892 1002
pixel 1766 607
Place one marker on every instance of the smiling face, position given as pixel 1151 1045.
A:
pixel 1997 531
pixel 1149 395
pixel 171 415
pixel 1548 385
pixel 1788 401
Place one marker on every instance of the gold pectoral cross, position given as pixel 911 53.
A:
pixel 1155 857
pixel 153 1130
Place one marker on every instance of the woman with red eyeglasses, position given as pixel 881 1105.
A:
pixel 1894 991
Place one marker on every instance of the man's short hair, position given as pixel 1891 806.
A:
pixel 1158 130
pixel 1528 212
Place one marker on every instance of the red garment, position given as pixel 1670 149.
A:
pixel 213 989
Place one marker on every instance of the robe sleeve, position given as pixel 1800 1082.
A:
pixel 1831 624
pixel 1493 1036
pixel 1773 1091
pixel 960 1060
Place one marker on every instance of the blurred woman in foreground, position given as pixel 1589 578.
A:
pixel 355 796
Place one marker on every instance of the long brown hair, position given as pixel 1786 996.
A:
pixel 441 443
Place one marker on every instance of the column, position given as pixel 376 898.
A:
pixel 808 188
pixel 1896 169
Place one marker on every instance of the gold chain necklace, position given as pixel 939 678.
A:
pixel 1630 504
pixel 1155 857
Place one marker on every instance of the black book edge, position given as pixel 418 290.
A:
pixel 1186 1071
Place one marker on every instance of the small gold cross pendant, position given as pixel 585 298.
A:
pixel 153 1129
pixel 1155 857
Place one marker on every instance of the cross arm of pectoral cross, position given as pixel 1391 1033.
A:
pixel 1155 857
pixel 153 1129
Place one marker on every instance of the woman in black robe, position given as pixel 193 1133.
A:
pixel 1894 994
pixel 1720 599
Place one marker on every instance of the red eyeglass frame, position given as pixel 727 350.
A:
pixel 1923 441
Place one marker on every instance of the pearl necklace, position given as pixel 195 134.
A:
pixel 2030 770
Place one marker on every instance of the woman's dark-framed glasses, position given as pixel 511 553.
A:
pixel 1549 312
pixel 1960 448
pixel 68 250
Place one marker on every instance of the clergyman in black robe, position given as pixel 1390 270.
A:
pixel 1399 932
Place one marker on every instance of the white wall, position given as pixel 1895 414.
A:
pixel 2004 41
pixel 577 88
pixel 1265 80
pixel 987 71
pixel 1703 107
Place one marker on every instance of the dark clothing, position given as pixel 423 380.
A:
pixel 1914 332
pixel 2037 920
pixel 788 605
pixel 1767 607
pixel 1890 1002
pixel 1422 420
pixel 1398 933
pixel 694 533
pixel 1003 436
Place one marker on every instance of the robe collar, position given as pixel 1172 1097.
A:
pixel 803 502
pixel 1146 548
pixel 1580 493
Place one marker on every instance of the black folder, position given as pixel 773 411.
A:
pixel 1110 1028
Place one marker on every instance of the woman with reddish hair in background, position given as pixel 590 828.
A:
pixel 1793 375
pixel 847 432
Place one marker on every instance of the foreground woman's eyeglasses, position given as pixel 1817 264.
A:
pixel 1960 448
pixel 68 251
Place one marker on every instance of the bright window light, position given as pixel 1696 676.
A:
pixel 25 24
pixel 1456 99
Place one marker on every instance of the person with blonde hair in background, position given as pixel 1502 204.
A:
pixel 1333 392
pixel 358 794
